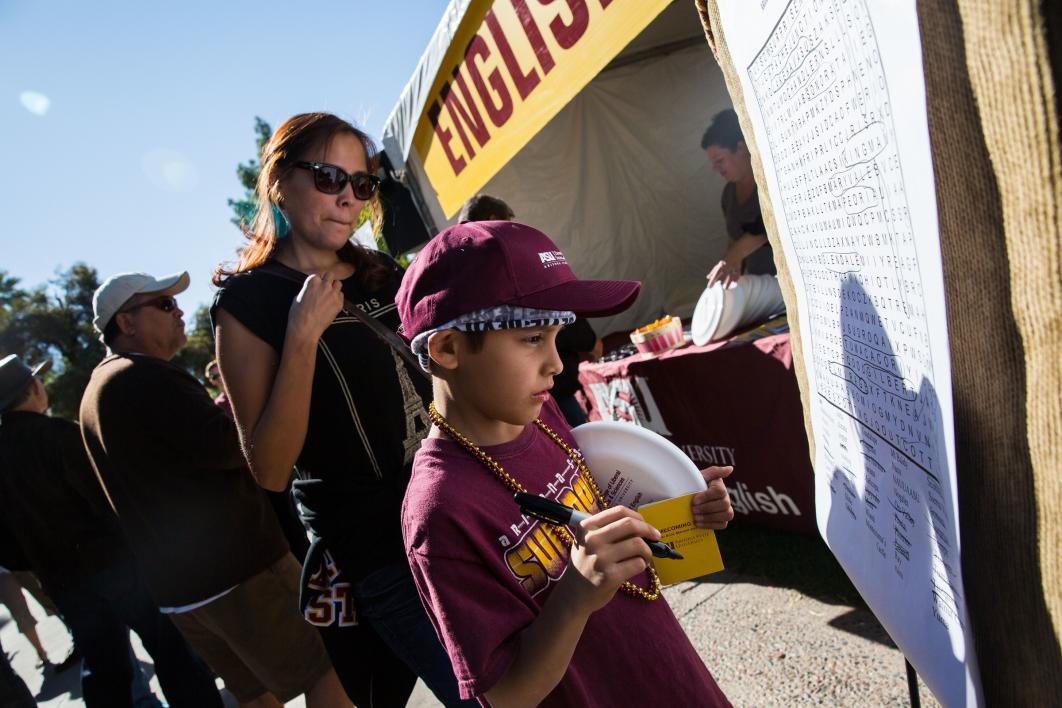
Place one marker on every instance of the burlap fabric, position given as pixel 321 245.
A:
pixel 993 121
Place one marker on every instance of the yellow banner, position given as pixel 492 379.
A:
pixel 512 65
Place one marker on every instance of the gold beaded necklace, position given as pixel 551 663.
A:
pixel 512 483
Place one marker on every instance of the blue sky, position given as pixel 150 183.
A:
pixel 123 121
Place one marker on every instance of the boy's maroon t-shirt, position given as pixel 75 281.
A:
pixel 484 571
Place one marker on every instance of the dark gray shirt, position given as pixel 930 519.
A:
pixel 745 217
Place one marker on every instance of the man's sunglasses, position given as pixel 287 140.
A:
pixel 166 303
pixel 331 179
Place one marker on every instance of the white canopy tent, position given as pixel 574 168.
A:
pixel 616 177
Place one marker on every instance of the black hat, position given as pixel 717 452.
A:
pixel 15 376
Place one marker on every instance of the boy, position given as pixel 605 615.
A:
pixel 482 305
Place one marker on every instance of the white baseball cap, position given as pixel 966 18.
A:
pixel 117 289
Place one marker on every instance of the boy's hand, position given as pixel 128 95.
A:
pixel 712 508
pixel 608 550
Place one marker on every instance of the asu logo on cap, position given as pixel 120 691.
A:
pixel 552 258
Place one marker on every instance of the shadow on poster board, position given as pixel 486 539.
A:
pixel 893 527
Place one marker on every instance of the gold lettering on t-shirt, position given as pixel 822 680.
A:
pixel 542 554
pixel 527 568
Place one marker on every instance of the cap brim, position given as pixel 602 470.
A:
pixel 43 368
pixel 171 284
pixel 586 298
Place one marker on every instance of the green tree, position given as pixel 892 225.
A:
pixel 247 172
pixel 12 298
pixel 54 322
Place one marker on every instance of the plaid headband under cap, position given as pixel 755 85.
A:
pixel 492 318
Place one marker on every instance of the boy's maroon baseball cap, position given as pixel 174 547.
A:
pixel 481 264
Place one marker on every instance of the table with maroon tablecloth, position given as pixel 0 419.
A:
pixel 734 402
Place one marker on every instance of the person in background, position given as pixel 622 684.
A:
pixel 748 250
pixel 576 342
pixel 484 207
pixel 170 464
pixel 11 592
pixel 213 377
pixel 14 693
pixel 56 513
pixel 313 388
pixel 11 595
pixel 531 614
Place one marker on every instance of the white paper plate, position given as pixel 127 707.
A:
pixel 706 315
pixel 735 298
pixel 717 313
pixel 635 466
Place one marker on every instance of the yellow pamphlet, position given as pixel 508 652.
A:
pixel 700 552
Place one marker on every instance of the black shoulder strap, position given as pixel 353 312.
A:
pixel 349 308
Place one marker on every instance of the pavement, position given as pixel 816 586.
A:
pixel 782 626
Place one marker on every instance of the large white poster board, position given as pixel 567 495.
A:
pixel 836 95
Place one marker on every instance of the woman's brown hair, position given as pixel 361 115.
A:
pixel 296 139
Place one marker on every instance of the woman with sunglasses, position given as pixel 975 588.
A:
pixel 312 388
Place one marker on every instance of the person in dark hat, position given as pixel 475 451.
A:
pixel 15 379
pixel 54 508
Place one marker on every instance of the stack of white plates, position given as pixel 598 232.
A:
pixel 720 311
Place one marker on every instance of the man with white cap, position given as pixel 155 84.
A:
pixel 56 513
pixel 120 303
pixel 170 463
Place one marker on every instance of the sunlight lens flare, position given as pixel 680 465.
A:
pixel 170 170
pixel 36 103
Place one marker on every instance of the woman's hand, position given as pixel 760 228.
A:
pixel 271 395
pixel 724 272
pixel 316 306
pixel 728 270
pixel 608 550
pixel 712 508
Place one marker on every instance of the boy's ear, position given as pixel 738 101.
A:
pixel 443 348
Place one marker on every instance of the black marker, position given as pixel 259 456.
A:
pixel 551 512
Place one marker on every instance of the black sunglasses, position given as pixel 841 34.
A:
pixel 166 303
pixel 331 179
